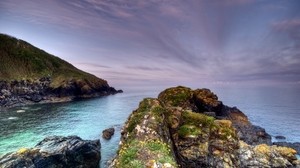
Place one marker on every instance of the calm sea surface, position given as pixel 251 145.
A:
pixel 276 110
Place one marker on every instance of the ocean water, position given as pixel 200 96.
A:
pixel 276 110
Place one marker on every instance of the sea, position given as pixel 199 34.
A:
pixel 275 109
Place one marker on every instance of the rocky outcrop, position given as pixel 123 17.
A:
pixel 56 151
pixel 192 128
pixel 22 92
pixel 108 133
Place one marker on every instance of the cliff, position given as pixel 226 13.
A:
pixel 192 128
pixel 29 75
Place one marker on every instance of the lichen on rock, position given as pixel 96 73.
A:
pixel 192 128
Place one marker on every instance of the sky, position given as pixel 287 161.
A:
pixel 166 42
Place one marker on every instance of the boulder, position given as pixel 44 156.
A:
pixel 108 133
pixel 56 151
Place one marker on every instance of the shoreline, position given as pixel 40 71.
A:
pixel 54 99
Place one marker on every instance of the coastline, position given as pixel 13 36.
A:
pixel 53 99
pixel 112 103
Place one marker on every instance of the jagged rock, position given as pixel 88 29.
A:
pixel 174 131
pixel 108 133
pixel 247 132
pixel 56 151
pixel 206 100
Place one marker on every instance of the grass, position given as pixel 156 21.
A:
pixel 136 154
pixel 189 131
pixel 22 61
pixel 197 119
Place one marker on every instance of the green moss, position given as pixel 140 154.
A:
pixel 197 119
pixel 138 114
pixel 138 153
pixel 176 96
pixel 188 131
pixel 129 155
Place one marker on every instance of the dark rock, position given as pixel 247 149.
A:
pixel 108 133
pixel 119 91
pixel 280 137
pixel 213 114
pixel 22 92
pixel 247 132
pixel 56 151
pixel 206 100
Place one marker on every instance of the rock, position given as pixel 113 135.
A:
pixel 247 132
pixel 206 100
pixel 295 145
pixel 56 151
pixel 175 131
pixel 280 137
pixel 108 133
pixel 213 114
pixel 22 92
pixel 145 139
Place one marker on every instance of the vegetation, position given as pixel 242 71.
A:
pixel 176 96
pixel 20 60
pixel 137 154
pixel 197 119
pixel 189 131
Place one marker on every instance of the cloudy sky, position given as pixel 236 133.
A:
pixel 166 42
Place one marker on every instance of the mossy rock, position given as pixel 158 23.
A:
pixel 189 131
pixel 177 97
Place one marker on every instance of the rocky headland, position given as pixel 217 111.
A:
pixel 54 152
pixel 30 75
pixel 192 128
pixel 16 93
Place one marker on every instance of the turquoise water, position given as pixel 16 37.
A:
pixel 277 110
pixel 27 125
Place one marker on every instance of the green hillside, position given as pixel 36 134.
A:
pixel 20 60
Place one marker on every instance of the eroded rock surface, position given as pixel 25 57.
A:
pixel 192 128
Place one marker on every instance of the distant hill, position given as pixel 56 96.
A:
pixel 21 61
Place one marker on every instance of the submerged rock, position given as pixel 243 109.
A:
pixel 280 137
pixel 108 133
pixel 56 151
pixel 192 128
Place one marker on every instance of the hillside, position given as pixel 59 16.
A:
pixel 24 64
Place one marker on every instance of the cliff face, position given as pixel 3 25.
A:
pixel 192 128
pixel 29 75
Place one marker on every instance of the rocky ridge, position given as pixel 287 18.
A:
pixel 56 151
pixel 192 128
